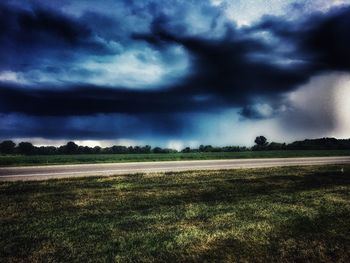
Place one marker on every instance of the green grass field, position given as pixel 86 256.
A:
pixel 298 214
pixel 16 160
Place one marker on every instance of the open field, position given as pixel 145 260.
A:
pixel 298 214
pixel 17 160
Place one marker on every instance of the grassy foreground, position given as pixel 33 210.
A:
pixel 17 160
pixel 298 214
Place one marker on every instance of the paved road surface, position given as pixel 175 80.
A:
pixel 82 170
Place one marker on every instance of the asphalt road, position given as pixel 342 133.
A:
pixel 82 170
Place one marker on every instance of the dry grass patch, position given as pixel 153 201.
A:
pixel 291 214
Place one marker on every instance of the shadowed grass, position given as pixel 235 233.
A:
pixel 18 160
pixel 291 214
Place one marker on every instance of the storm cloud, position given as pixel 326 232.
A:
pixel 159 58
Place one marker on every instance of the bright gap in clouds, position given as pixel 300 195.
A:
pixel 91 143
pixel 138 69
pixel 135 69
pixel 246 12
pixel 11 77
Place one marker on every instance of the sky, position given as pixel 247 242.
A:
pixel 174 73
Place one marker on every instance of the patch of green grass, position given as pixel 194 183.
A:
pixel 17 160
pixel 290 214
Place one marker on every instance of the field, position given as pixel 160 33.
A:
pixel 298 214
pixel 17 160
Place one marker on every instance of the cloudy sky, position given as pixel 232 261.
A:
pixel 174 73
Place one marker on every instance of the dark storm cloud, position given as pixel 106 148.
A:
pixel 229 66
pixel 86 100
pixel 106 126
pixel 329 41
pixel 38 34
pixel 321 39
pixel 225 71
pixel 320 42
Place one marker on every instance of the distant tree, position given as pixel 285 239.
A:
pixel 70 148
pixel 26 148
pixel 320 144
pixel 7 147
pixel 157 150
pixel 146 149
pixel 208 148
pixel 261 141
pixel 186 150
pixel 46 150
pixel 85 149
pixel 119 149
pixel 273 146
pixel 130 149
pixel 106 150
pixel 137 149
pixel 96 149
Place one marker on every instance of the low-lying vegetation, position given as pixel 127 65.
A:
pixel 298 214
pixel 20 160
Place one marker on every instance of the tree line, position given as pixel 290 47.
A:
pixel 307 144
pixel 27 148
